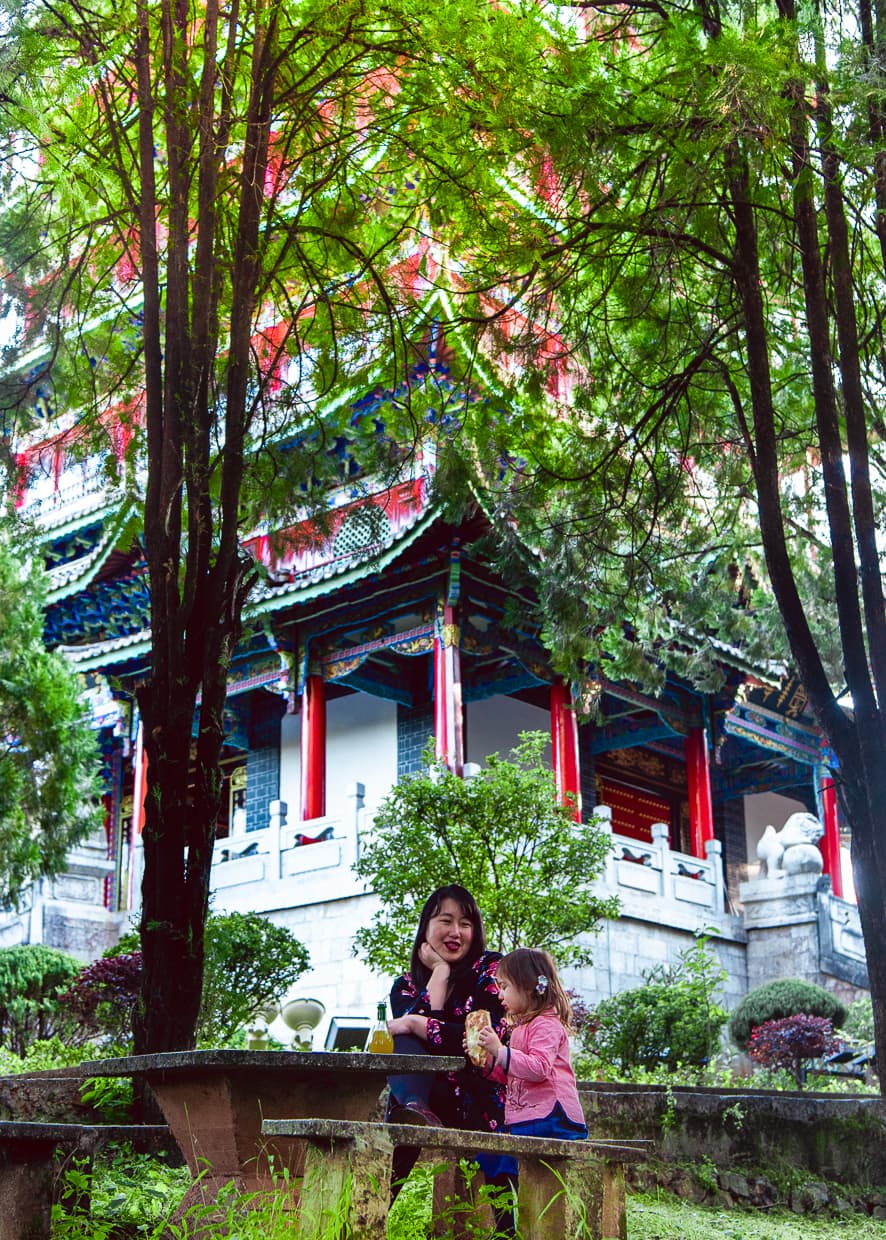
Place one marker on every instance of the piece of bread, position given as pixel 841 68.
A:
pixel 474 1022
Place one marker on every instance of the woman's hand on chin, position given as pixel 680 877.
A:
pixel 431 959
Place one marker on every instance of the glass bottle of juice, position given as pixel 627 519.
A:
pixel 381 1042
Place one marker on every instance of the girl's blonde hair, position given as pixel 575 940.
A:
pixel 534 974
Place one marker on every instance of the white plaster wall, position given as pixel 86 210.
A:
pixel 761 810
pixel 290 759
pixel 361 745
pixel 494 725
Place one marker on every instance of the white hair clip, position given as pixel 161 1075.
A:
pixel 541 985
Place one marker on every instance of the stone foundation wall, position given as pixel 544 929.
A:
pixel 841 1139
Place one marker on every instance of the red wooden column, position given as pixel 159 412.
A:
pixel 564 740
pixel 313 748
pixel 830 841
pixel 449 732
pixel 698 779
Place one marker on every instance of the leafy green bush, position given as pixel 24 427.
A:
pixel 671 1020
pixel 51 1052
pixel 249 964
pixel 859 1024
pixel 787 997
pixel 31 978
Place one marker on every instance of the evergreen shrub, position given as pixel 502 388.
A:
pixel 790 996
pixel 31 978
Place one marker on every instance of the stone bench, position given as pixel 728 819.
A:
pixel 566 1188
pixel 29 1171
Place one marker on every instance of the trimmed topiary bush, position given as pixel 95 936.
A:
pixel 789 996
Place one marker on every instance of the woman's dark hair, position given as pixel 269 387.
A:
pixel 468 906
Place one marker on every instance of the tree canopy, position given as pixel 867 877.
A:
pixel 49 792
pixel 715 264
pixel 221 226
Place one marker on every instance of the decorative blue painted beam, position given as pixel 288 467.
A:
pixel 493 688
pixel 603 743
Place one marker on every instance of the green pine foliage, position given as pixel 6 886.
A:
pixel 49 754
pixel 504 836
pixel 790 996
pixel 31 979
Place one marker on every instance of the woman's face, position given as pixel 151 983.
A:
pixel 450 932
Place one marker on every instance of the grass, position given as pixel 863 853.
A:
pixel 660 1216
pixel 134 1197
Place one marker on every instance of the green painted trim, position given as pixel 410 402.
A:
pixel 286 596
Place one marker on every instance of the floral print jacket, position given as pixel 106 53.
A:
pixel 464 1099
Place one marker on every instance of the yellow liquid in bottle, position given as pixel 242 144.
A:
pixel 381 1042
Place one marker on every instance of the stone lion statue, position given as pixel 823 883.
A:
pixel 792 850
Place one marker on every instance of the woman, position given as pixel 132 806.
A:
pixel 451 974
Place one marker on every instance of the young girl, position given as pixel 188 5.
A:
pixel 542 1098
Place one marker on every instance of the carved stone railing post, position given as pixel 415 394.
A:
pixel 277 822
pixel 661 840
pixel 602 817
pixel 356 794
pixel 714 853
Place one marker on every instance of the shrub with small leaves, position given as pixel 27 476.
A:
pixel 859 1024
pixel 787 996
pixel 790 1043
pixel 31 978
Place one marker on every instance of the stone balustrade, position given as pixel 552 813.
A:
pixel 636 870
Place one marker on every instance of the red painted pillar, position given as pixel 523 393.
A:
pixel 830 841
pixel 698 779
pixel 449 732
pixel 313 748
pixel 564 739
pixel 139 782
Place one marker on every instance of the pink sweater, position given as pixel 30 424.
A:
pixel 540 1072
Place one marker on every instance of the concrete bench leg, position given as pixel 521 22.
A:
pixel 559 1198
pixel 26 1198
pixel 346 1190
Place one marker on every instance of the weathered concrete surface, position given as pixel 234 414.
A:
pixel 215 1100
pixel 840 1138
pixel 566 1188
pixel 28 1170
pixel 51 1098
